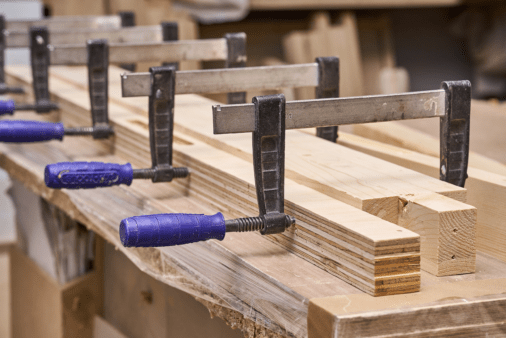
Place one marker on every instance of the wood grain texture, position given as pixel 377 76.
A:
pixel 454 309
pixel 485 190
pixel 354 178
pixel 447 240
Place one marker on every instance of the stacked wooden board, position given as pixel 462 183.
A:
pixel 190 149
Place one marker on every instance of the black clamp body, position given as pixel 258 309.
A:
pixel 127 20
pixel 39 55
pixel 170 32
pixel 454 132
pixel 4 89
pixel 236 58
pixel 98 64
pixel 269 162
pixel 161 124
pixel 328 87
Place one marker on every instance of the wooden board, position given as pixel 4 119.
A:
pixel 485 190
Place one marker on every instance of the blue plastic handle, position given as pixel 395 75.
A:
pixel 86 175
pixel 170 229
pixel 19 131
pixel 7 107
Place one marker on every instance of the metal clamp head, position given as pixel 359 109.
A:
pixel 39 54
pixel 98 64
pixel 454 132
pixel 236 58
pixel 170 32
pixel 328 87
pixel 127 20
pixel 269 160
pixel 161 121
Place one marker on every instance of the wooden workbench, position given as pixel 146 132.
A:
pixel 249 281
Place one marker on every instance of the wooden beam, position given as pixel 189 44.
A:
pixel 485 190
pixel 351 177
pixel 399 135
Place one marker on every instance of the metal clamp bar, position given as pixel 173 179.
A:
pixel 228 80
pixel 66 22
pixel 202 50
pixel 98 87
pixel 19 39
pixel 339 111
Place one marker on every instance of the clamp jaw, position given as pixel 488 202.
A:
pixel 4 89
pixel 170 32
pixel 39 57
pixel 98 65
pixel 268 163
pixel 161 124
pixel 24 131
pixel 328 87
pixel 127 20
pixel 454 129
pixel 236 58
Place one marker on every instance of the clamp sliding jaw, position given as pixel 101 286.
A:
pixel 39 57
pixel 82 175
pixel 4 89
pixel 269 166
pixel 22 131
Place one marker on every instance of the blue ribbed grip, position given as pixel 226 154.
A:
pixel 170 229
pixel 19 131
pixel 86 175
pixel 7 107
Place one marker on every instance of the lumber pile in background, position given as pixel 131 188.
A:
pixel 365 51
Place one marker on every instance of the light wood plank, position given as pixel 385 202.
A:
pixel 485 190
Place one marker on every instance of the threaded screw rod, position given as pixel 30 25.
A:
pixel 251 223
pixel 147 174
